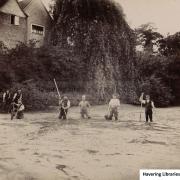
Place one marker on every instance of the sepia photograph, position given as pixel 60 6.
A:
pixel 89 90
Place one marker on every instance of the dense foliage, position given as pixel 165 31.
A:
pixel 170 48
pixel 93 52
pixel 147 37
pixel 98 37
pixel 152 78
pixel 33 70
pixel 158 65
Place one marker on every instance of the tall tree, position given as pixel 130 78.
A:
pixel 148 37
pixel 97 33
pixel 170 45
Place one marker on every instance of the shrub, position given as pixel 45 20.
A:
pixel 159 92
pixel 152 78
pixel 33 98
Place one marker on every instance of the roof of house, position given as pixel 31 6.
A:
pixel 24 3
pixel 2 2
pixel 12 7
pixel 17 7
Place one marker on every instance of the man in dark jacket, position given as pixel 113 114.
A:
pixel 64 105
pixel 149 105
pixel 6 101
pixel 17 96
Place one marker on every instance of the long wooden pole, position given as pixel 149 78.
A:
pixel 140 112
pixel 57 88
pixel 59 95
pixel 141 98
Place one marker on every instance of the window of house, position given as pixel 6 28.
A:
pixel 14 20
pixel 37 29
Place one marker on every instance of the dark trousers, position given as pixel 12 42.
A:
pixel 84 113
pixel 6 107
pixel 20 115
pixel 148 115
pixel 63 113
pixel 113 112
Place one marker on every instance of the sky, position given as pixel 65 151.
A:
pixel 164 14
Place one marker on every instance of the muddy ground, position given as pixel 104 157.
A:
pixel 41 147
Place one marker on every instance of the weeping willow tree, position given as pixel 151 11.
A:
pixel 97 33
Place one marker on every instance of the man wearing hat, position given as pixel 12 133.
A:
pixel 64 105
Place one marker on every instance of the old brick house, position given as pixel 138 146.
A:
pixel 21 21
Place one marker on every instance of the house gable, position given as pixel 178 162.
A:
pixel 24 4
pixel 12 7
pixel 22 21
pixel 39 21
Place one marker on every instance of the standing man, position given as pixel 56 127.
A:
pixel 17 110
pixel 6 101
pixel 20 110
pixel 84 106
pixel 149 105
pixel 17 96
pixel 113 108
pixel 64 105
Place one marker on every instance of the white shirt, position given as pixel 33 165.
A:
pixel 84 104
pixel 114 103
pixel 21 107
pixel 4 96
pixel 144 102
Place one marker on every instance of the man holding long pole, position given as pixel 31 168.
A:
pixel 64 104
pixel 140 112
pixel 149 106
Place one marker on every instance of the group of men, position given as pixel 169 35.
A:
pixel 12 103
pixel 64 105
pixel 114 104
